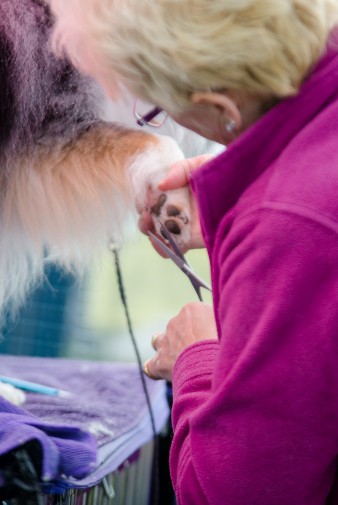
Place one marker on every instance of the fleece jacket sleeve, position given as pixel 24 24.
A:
pixel 256 420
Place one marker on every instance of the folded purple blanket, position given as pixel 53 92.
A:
pixel 78 433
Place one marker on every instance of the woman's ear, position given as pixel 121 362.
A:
pixel 229 116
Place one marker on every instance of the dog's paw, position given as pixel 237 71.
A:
pixel 172 210
pixel 12 394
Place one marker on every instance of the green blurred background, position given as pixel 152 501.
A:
pixel 156 290
pixel 86 320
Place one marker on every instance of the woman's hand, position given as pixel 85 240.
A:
pixel 177 177
pixel 195 321
pixel 180 172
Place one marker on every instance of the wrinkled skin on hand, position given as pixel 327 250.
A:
pixel 193 323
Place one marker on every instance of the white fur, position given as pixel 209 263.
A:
pixel 150 166
pixel 12 394
pixel 70 220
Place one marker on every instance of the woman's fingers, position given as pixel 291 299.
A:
pixel 148 370
pixel 194 322
pixel 180 172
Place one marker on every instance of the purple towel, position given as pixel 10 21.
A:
pixel 65 449
pixel 107 406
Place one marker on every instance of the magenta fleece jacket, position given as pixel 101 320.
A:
pixel 255 414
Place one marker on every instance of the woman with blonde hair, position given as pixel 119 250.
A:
pixel 255 379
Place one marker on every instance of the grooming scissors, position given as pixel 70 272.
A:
pixel 176 255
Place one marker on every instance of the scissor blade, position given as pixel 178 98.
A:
pixel 181 263
pixel 197 280
pixel 167 235
pixel 173 256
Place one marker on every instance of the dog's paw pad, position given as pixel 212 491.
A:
pixel 173 227
pixel 173 211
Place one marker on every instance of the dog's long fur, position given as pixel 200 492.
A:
pixel 63 184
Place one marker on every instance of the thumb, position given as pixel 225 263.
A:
pixel 180 172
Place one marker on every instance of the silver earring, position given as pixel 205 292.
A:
pixel 230 126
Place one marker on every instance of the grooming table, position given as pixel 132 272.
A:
pixel 94 446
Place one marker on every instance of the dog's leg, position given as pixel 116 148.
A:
pixel 172 208
pixel 63 203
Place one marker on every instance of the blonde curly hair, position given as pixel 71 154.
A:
pixel 164 50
